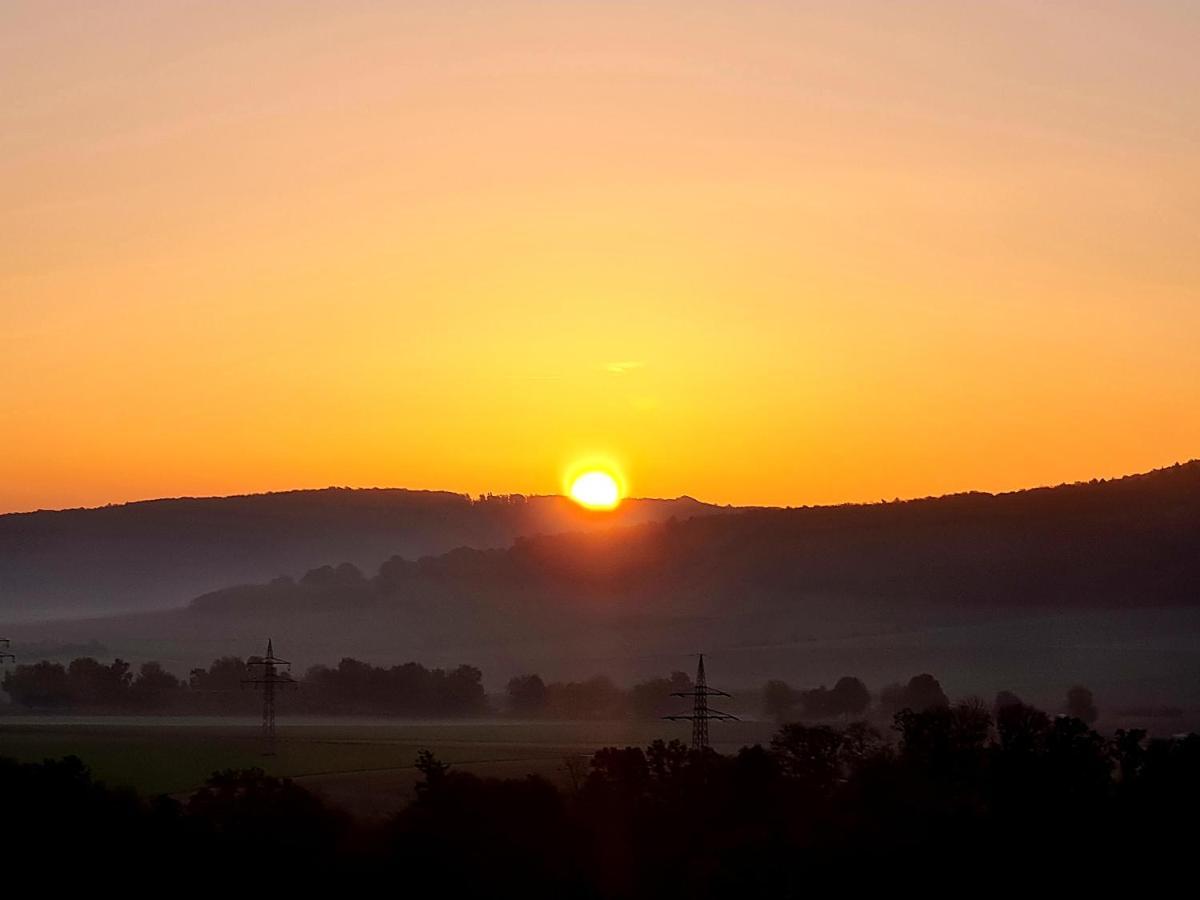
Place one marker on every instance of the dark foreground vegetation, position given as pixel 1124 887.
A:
pixel 954 792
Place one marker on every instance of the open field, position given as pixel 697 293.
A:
pixel 365 766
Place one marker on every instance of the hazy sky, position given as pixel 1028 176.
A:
pixel 774 252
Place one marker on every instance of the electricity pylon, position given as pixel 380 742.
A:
pixel 270 679
pixel 702 713
pixel 5 643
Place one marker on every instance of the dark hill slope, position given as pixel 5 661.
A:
pixel 1133 542
pixel 158 554
pixel 1032 591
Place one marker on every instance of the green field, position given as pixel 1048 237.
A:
pixel 363 766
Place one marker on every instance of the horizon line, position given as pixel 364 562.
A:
pixel 476 498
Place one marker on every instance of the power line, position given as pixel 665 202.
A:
pixel 702 713
pixel 270 679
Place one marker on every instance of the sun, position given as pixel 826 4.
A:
pixel 595 489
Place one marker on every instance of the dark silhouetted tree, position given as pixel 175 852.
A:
pixel 225 674
pixel 850 696
pixel 652 699
pixel 152 677
pixel 1081 705
pixel 923 692
pixel 779 700
pixel 405 690
pixel 809 753
pixel 945 741
pixel 860 743
pixel 527 695
pixel 1004 699
pixel 42 685
pixel 92 683
pixel 595 698
pixel 155 687
pixel 1022 729
pixel 1130 752
pixel 248 810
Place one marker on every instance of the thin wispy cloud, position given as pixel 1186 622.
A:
pixel 621 368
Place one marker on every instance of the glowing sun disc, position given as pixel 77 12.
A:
pixel 596 490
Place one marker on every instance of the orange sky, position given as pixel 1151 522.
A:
pixel 777 252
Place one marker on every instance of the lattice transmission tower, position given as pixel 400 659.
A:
pixel 702 713
pixel 273 674
pixel 5 643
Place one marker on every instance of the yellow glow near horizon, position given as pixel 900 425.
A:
pixel 596 490
pixel 777 253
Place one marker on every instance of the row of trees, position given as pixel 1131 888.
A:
pixel 783 703
pixel 352 687
pixel 87 683
pixel 410 689
pixel 528 696
pixel 850 698
pixel 958 797
pixel 355 687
